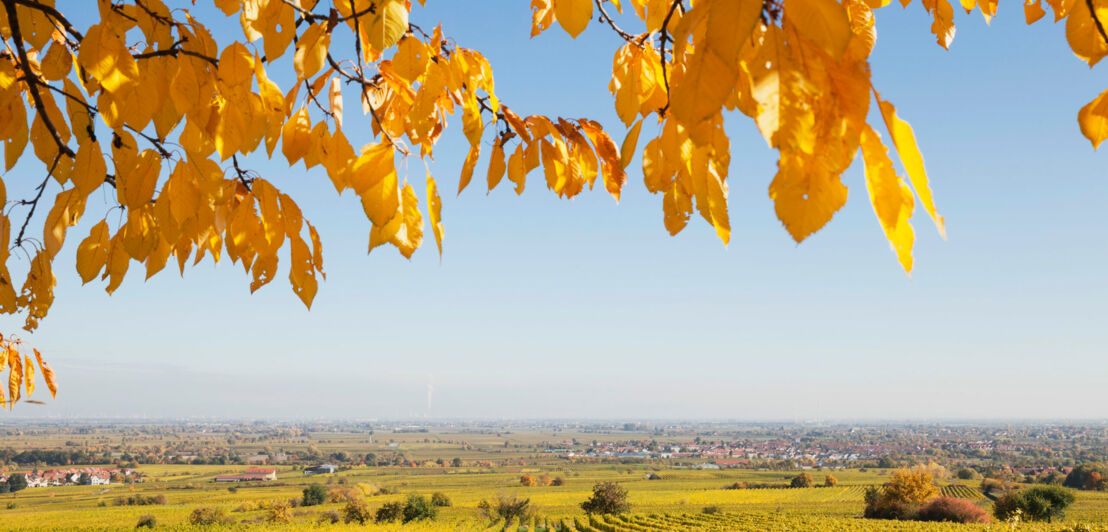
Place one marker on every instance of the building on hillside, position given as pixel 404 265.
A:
pixel 322 469
pixel 269 472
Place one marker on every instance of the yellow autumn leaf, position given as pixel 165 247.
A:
pixel 89 168
pixel 92 253
pixel 630 142
pixel 387 24
pixel 311 51
pixel 434 211
pixel 905 141
pixel 517 170
pixel 1093 119
pixel 713 70
pixel 497 166
pixel 823 22
pixel 57 62
pixel 891 198
pixel 1084 34
pixel 1033 11
pixel 47 374
pixel 410 59
pixel 573 15
pixel 105 57
pixel 29 375
pixel 468 166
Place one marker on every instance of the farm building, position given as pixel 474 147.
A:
pixel 269 472
pixel 322 469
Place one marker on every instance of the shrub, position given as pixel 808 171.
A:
pixel 343 494
pixel 607 498
pixel 880 506
pixel 558 481
pixel 803 480
pixel 911 486
pixel 952 510
pixel 147 521
pixel 315 495
pixel 140 500
pixel 208 516
pixel 528 480
pixel 329 517
pixel 233 489
pixel 736 486
pixel 653 476
pixel 506 507
pixel 711 509
pixel 278 512
pixel 830 481
pixel 440 499
pixel 1040 503
pixel 357 511
pixel 419 508
pixel 246 507
pixel 390 511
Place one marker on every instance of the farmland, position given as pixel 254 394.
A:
pixel 467 468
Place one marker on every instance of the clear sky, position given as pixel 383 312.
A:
pixel 542 307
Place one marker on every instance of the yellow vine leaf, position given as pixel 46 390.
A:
pixel 905 141
pixel 434 211
pixel 891 198
pixel 47 374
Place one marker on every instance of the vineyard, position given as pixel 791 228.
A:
pixel 962 492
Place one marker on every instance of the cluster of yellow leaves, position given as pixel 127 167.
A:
pixel 21 372
pixel 183 112
pixel 799 69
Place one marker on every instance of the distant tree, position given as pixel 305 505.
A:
pixel 85 479
pixel 314 495
pixel 607 498
pixel 1094 482
pixel 147 521
pixel 558 481
pixel 390 511
pixel 456 462
pixel 1039 503
pixel 1079 477
pixel 545 480
pixel 1052 477
pixel 830 481
pixel 886 463
pixel 329 517
pixel 17 482
pixel 419 508
pixel 440 499
pixel 357 511
pixel 371 459
pixel 968 474
pixel 803 480
pixel 528 480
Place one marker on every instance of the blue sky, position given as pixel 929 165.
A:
pixel 542 307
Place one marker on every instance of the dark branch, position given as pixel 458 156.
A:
pixel 665 37
pixel 1099 26
pixel 34 203
pixel 605 17
pixel 29 76
pixel 54 14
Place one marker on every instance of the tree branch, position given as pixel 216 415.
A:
pixel 604 16
pixel 1099 26
pixel 29 76
pixel 52 13
pixel 34 203
pixel 665 37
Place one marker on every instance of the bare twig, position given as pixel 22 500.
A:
pixel 34 203
pixel 605 17
pixel 243 178
pixel 662 55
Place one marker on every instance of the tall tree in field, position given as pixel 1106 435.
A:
pixel 146 103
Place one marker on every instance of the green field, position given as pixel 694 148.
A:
pixel 676 501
